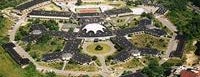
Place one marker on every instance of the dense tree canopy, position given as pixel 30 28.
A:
pixel 51 25
pixel 196 2
pixel 79 2
pixel 44 39
pixel 153 69
pixel 187 21
pixel 174 4
pixel 192 29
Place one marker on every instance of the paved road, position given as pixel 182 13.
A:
pixel 167 23
pixel 172 43
pixel 171 47
pixel 104 68
pixel 16 27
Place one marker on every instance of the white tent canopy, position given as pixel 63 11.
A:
pixel 94 27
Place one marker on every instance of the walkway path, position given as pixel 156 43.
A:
pixel 16 27
pixel 172 45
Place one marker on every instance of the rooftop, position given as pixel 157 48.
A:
pixel 94 27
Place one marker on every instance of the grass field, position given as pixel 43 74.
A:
pixel 56 65
pixel 145 40
pixel 121 22
pixel 8 68
pixel 91 48
pixel 76 67
pixel 6 25
pixel 132 63
pixel 71 67
pixel 37 50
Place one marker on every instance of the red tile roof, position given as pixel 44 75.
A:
pixel 188 73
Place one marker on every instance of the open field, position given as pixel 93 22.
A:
pixel 56 65
pixel 71 67
pixel 76 67
pixel 91 48
pixel 145 40
pixel 5 25
pixel 8 68
pixel 132 63
pixel 126 21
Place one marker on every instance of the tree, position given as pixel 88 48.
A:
pixel 153 69
pixel 31 71
pixel 50 74
pixel 196 2
pixel 51 25
pixel 148 15
pixel 94 58
pixel 127 72
pixel 192 29
pixel 44 39
pixel 174 4
pixel 79 2
pixel 98 47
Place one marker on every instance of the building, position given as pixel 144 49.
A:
pixel 9 47
pixel 126 49
pixel 94 31
pixel 25 8
pixel 161 10
pixel 70 52
pixel 119 12
pixel 144 27
pixel 190 73
pixel 50 14
pixel 180 47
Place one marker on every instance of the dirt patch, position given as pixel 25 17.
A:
pixel 191 59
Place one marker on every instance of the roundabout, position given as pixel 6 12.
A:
pixel 100 48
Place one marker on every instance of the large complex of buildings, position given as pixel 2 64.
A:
pixel 95 30
pixel 92 26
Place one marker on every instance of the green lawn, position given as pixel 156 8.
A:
pixel 121 21
pixel 172 62
pixel 72 67
pixel 8 68
pixel 189 47
pixel 91 48
pixel 132 63
pixel 145 40
pixel 56 65
pixel 52 45
pixel 76 67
